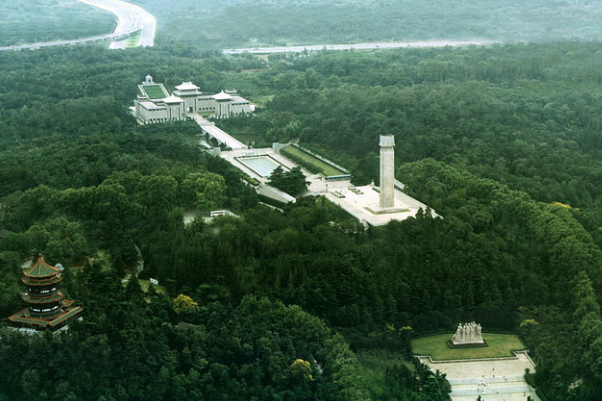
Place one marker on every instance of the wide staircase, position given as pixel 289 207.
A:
pixel 502 388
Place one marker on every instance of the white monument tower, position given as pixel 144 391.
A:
pixel 387 171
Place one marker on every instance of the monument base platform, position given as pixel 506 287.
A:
pixel 451 344
pixel 387 210
pixel 363 203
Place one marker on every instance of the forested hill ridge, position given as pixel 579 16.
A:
pixel 247 23
pixel 48 20
pixel 502 141
pixel 213 25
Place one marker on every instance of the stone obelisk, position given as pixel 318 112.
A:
pixel 387 171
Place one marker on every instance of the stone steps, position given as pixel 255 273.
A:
pixel 498 388
pixel 488 380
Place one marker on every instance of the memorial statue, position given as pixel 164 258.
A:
pixel 468 333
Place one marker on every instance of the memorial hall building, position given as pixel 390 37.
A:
pixel 154 104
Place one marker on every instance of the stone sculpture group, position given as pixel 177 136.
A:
pixel 468 333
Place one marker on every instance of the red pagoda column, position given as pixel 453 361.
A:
pixel 46 306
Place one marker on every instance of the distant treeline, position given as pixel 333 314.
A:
pixel 47 20
pixel 207 24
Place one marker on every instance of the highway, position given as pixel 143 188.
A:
pixel 130 19
pixel 357 46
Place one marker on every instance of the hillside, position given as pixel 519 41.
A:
pixel 240 23
pixel 47 20
pixel 502 141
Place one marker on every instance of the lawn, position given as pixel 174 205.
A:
pixel 326 168
pixel 500 345
pixel 154 91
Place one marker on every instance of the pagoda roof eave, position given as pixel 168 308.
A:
pixel 67 315
pixel 222 96
pixel 186 93
pixel 27 320
pixel 172 99
pixel 42 300
pixel 39 283
pixel 23 317
pixel 187 86
pixel 41 269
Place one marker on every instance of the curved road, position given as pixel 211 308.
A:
pixel 131 18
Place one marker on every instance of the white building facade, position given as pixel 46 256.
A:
pixel 155 105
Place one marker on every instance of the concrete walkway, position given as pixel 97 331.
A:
pixel 221 136
pixel 494 379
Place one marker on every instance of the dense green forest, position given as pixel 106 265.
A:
pixel 207 24
pixel 282 302
pixel 46 20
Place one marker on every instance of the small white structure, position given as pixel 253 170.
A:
pixel 155 105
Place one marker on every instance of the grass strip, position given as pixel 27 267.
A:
pixel 500 345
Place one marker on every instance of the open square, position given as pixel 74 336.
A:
pixel 496 373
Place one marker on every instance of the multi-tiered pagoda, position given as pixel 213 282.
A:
pixel 46 306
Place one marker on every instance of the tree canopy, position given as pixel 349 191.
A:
pixel 292 181
pixel 500 141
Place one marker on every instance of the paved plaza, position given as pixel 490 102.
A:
pixel 494 379
pixel 363 202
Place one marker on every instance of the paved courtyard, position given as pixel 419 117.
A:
pixel 360 202
pixel 495 379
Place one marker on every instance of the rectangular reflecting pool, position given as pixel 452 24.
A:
pixel 262 165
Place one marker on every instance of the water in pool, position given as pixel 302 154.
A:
pixel 261 165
